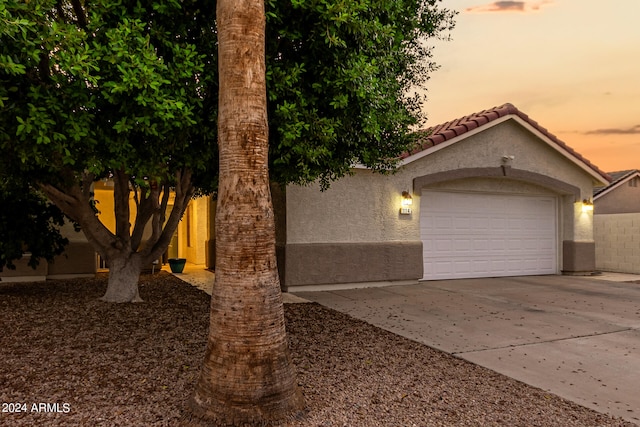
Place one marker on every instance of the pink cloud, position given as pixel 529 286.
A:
pixel 634 130
pixel 509 6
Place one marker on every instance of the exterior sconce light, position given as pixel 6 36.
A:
pixel 406 202
pixel 587 205
pixel 507 159
pixel 406 199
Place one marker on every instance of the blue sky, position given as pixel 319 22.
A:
pixel 571 65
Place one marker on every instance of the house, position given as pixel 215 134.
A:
pixel 616 223
pixel 621 196
pixel 193 238
pixel 490 194
pixel 78 260
pixel 190 241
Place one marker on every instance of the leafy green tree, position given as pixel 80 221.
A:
pixel 341 79
pixel 111 90
pixel 128 91
pixel 28 222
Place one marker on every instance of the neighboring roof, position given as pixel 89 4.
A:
pixel 450 131
pixel 617 179
pixel 619 175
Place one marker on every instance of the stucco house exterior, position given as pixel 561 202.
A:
pixel 192 240
pixel 492 194
pixel 616 223
pixel 78 260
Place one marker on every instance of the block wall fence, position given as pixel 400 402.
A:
pixel 617 238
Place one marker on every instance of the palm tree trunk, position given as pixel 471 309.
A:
pixel 248 377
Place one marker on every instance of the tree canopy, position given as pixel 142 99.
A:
pixel 127 91
pixel 106 85
pixel 28 221
pixel 124 91
pixel 339 76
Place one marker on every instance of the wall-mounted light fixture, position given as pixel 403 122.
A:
pixel 587 205
pixel 406 202
pixel 406 199
pixel 508 158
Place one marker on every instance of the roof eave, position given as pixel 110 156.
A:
pixel 549 141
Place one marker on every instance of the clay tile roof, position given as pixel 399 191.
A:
pixel 446 131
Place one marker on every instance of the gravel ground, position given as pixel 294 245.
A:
pixel 71 360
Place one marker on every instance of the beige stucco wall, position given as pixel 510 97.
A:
pixel 365 207
pixel 199 228
pixel 354 232
pixel 623 199
pixel 197 254
pixel 486 149
pixel 105 204
pixel 103 194
pixel 182 235
pixel 24 273
pixel 78 260
pixel 617 239
pixel 104 197
pixel 198 215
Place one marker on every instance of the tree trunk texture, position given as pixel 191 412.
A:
pixel 124 273
pixel 247 377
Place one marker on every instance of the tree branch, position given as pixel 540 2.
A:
pixel 67 203
pixel 43 65
pixel 60 11
pixel 156 224
pixel 74 202
pixel 81 17
pixel 135 193
pixel 146 207
pixel 166 192
pixel 121 208
pixel 184 191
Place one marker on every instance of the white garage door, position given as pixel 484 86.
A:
pixel 487 235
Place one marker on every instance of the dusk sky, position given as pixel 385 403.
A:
pixel 571 65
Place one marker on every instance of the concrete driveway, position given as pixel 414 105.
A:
pixel 576 337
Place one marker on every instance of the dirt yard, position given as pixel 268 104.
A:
pixel 71 360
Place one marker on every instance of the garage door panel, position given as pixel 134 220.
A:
pixel 529 244
pixel 516 244
pixel 487 235
pixel 441 222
